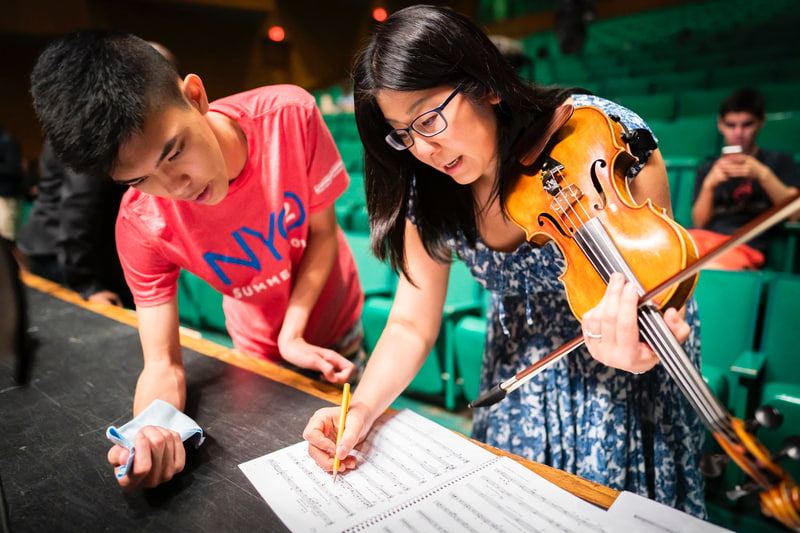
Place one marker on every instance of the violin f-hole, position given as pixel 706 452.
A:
pixel 596 184
pixel 555 223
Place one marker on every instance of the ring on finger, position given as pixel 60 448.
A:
pixel 591 335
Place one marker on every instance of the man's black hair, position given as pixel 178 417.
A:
pixel 93 89
pixel 744 100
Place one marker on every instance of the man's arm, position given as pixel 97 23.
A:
pixel 163 375
pixel 703 208
pixel 159 451
pixel 705 184
pixel 322 248
pixel 777 187
pixel 743 166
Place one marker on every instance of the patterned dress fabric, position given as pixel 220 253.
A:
pixel 633 432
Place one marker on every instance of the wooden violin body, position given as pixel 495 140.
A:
pixel 574 192
pixel 584 179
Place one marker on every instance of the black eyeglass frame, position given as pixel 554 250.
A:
pixel 397 145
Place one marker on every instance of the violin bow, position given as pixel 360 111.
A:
pixel 755 227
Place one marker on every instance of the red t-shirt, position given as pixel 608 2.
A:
pixel 249 245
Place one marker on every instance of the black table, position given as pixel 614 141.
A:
pixel 52 435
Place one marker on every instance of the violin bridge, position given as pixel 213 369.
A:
pixel 563 203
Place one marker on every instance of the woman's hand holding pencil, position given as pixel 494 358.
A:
pixel 342 418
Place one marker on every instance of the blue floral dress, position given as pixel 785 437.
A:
pixel 626 431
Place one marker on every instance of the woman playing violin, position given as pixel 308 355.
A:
pixel 438 110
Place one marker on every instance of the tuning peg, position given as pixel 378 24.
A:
pixel 789 450
pixel 765 416
pixel 713 465
pixel 742 490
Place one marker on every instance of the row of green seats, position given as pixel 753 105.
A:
pixel 749 355
pixel 200 309
pixel 632 74
pixel 747 321
pixel 440 380
pixel 729 45
pixel 437 381
pixel 661 106
pixel 773 375
pixel 696 95
pixel 698 137
pixel 669 106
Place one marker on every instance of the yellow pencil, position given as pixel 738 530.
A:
pixel 342 418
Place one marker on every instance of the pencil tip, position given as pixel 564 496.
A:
pixel 335 474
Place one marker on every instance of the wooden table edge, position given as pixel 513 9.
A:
pixel 592 492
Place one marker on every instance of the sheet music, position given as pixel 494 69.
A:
pixel 648 515
pixel 499 496
pixel 416 475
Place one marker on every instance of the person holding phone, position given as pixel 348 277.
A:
pixel 739 185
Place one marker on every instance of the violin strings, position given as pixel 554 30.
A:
pixel 679 372
pixel 671 353
pixel 678 364
pixel 655 330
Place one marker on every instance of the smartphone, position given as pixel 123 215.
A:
pixel 731 150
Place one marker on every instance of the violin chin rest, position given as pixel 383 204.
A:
pixel 534 139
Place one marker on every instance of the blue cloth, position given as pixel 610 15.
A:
pixel 159 413
pixel 626 431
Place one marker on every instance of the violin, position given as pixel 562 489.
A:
pixel 574 192
pixel 579 198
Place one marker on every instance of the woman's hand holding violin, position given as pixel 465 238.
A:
pixel 611 329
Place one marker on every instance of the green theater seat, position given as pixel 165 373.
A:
pixel 775 366
pixel 781 132
pixel 469 340
pixel 436 381
pixel 695 137
pixel 728 303
pixel 773 372
pixel 377 278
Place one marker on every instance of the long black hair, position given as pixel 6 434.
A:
pixel 418 48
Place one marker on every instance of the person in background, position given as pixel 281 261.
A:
pixel 240 191
pixel 439 111
pixel 69 235
pixel 742 183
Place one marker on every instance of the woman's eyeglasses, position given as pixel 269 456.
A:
pixel 427 124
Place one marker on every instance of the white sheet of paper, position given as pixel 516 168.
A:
pixel 647 515
pixel 413 475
